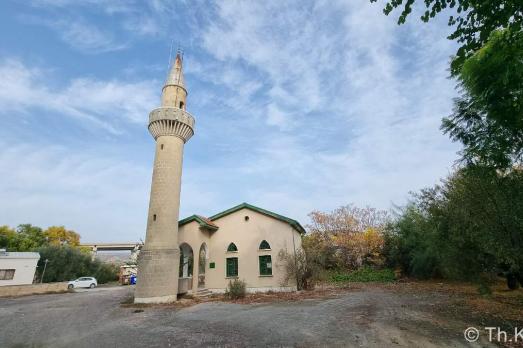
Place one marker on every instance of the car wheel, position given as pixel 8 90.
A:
pixel 92 286
pixel 70 286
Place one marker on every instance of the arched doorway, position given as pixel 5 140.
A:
pixel 202 263
pixel 186 261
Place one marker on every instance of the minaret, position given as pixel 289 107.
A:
pixel 171 126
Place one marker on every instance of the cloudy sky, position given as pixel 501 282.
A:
pixel 299 106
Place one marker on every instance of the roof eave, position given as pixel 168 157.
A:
pixel 294 224
pixel 196 218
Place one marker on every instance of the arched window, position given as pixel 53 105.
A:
pixel 264 245
pixel 232 247
pixel 181 105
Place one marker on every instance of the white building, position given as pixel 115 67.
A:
pixel 17 268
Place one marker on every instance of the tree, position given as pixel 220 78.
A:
pixel 348 237
pixel 7 237
pixel 474 23
pixel 469 225
pixel 67 263
pixel 412 243
pixel 345 220
pixel 488 116
pixel 59 235
pixel 28 237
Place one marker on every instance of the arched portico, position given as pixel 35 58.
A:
pixel 186 268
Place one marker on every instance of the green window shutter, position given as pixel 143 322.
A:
pixel 265 265
pixel 232 247
pixel 264 245
pixel 232 267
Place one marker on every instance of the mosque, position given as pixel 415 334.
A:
pixel 200 254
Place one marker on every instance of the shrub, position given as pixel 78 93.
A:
pixel 236 289
pixel 365 274
pixel 300 268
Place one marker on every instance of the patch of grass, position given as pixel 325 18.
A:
pixel 365 275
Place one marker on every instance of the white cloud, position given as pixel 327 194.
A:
pixel 301 106
pixel 128 20
pixel 99 195
pixel 81 34
pixel 92 102
pixel 276 117
pixel 86 37
pixel 357 100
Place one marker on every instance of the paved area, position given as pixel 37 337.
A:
pixel 95 318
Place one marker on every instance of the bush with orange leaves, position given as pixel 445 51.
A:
pixel 348 237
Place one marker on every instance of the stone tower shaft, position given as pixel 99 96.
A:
pixel 171 126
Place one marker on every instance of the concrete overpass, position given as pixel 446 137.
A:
pixel 134 248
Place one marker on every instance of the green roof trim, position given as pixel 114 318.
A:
pixel 199 220
pixel 294 224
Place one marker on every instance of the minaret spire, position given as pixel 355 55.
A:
pixel 174 93
pixel 175 76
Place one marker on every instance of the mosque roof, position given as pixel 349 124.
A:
pixel 209 222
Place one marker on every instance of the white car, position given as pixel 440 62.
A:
pixel 83 282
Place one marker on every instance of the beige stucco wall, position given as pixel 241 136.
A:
pixel 22 290
pixel 247 235
pixel 24 270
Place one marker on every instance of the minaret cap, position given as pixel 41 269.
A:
pixel 175 76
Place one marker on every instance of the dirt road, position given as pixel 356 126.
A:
pixel 370 317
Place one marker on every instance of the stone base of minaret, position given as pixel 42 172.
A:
pixel 158 276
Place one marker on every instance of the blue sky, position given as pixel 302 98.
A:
pixel 299 106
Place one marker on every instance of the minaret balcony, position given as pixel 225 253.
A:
pixel 172 122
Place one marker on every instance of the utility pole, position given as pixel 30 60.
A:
pixel 43 272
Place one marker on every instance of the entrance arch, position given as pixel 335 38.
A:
pixel 186 261
pixel 202 264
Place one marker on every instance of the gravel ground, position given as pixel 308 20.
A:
pixel 359 318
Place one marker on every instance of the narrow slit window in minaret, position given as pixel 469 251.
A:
pixel 154 217
pixel 181 105
pixel 161 147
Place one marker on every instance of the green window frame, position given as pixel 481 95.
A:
pixel 232 247
pixel 231 267
pixel 265 265
pixel 264 245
